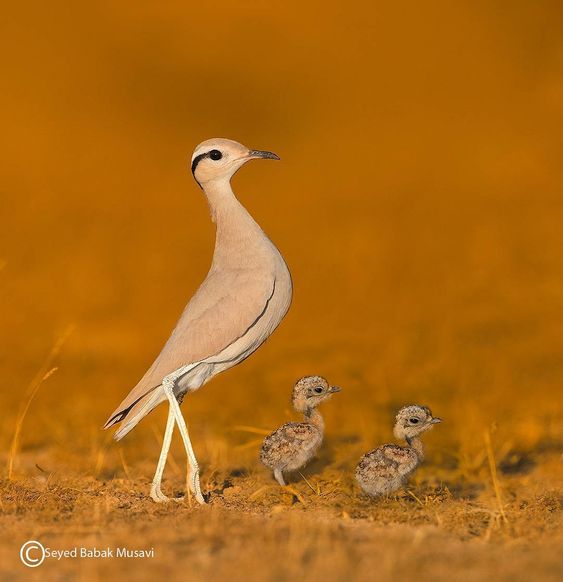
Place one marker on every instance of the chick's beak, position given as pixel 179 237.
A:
pixel 263 155
pixel 435 420
pixel 334 389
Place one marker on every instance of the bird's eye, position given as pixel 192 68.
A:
pixel 215 155
pixel 414 420
pixel 318 390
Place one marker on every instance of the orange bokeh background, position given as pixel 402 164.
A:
pixel 418 201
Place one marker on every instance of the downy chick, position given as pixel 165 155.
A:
pixel 292 445
pixel 387 468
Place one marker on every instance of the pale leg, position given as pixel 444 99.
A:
pixel 279 477
pixel 168 387
pixel 156 492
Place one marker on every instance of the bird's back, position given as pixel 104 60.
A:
pixel 384 470
pixel 291 445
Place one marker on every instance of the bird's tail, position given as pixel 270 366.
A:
pixel 141 400
pixel 149 404
pixel 135 411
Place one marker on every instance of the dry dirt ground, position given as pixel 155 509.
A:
pixel 461 518
pixel 446 527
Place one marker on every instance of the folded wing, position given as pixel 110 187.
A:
pixel 225 307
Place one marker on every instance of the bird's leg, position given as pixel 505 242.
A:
pixel 279 477
pixel 156 492
pixel 168 386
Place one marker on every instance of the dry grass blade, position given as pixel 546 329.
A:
pixel 100 458
pixel 14 447
pixel 494 477
pixel 45 372
pixel 249 444
pixel 409 492
pixel 125 465
pixel 259 492
pixel 315 491
pixel 252 429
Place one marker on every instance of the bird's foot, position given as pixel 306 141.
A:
pixel 199 498
pixel 195 488
pixel 157 495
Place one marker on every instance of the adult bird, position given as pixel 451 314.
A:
pixel 244 297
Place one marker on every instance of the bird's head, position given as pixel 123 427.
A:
pixel 310 391
pixel 218 159
pixel 413 420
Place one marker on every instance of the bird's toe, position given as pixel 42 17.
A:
pixel 157 495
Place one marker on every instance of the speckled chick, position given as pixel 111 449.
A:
pixel 292 445
pixel 387 468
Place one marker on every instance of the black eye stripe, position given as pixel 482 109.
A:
pixel 213 154
pixel 198 159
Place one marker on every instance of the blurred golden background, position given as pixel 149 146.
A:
pixel 418 204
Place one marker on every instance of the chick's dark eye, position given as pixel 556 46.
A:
pixel 215 155
pixel 318 390
pixel 414 420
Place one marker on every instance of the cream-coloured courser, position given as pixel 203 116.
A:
pixel 244 297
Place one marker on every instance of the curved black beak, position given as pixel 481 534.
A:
pixel 263 154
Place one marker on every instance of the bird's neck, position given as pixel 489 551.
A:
pixel 313 416
pixel 416 444
pixel 235 226
pixel 223 204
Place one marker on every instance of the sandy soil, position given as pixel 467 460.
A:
pixel 85 490
pixel 253 530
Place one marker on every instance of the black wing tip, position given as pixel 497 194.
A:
pixel 119 416
pixel 115 419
